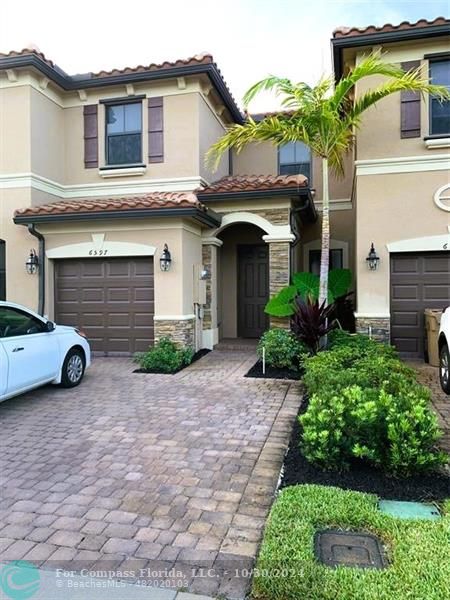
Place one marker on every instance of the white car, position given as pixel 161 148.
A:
pixel 34 351
pixel 444 350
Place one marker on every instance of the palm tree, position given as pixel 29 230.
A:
pixel 323 117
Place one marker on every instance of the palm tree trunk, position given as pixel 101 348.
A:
pixel 325 254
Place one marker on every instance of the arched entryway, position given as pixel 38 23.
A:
pixel 243 281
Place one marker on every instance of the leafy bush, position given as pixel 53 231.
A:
pixel 366 404
pixel 396 432
pixel 364 364
pixel 306 286
pixel 165 357
pixel 282 349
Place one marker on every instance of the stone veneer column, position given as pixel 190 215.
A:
pixel 377 327
pixel 278 274
pixel 209 258
pixel 182 331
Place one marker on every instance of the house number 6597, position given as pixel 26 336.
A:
pixel 97 252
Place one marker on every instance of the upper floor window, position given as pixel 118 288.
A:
pixel 440 111
pixel 294 158
pixel 124 134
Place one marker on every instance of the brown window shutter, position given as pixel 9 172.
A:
pixel 155 130
pixel 410 107
pixel 90 114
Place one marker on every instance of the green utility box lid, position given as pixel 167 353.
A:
pixel 409 510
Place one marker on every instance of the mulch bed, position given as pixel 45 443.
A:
pixel 199 354
pixel 272 373
pixel 361 477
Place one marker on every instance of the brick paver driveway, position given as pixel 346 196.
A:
pixel 134 471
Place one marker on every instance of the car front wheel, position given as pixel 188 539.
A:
pixel 73 368
pixel 444 361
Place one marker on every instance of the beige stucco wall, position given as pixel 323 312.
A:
pixel 379 134
pixel 20 287
pixel 42 129
pixel 211 128
pixel 262 159
pixel 48 141
pixel 15 130
pixel 393 207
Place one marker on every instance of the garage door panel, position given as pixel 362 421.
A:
pixel 407 266
pixel 435 292
pixel 418 281
pixel 111 299
pixel 405 318
pixel 405 292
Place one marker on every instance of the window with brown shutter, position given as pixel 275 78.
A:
pixel 410 107
pixel 155 130
pixel 90 114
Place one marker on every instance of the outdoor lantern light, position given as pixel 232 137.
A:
pixel 165 259
pixel 372 258
pixel 32 263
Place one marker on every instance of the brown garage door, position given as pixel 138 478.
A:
pixel 111 300
pixel 418 281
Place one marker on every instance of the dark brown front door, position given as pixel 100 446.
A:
pixel 418 281
pixel 253 289
pixel 111 300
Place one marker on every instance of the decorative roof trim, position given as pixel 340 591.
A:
pixel 193 66
pixel 374 36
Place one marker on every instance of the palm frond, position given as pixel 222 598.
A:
pixel 409 82
pixel 281 85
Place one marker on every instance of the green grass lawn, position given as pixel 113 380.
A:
pixel 418 551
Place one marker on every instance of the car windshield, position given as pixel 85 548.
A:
pixel 15 322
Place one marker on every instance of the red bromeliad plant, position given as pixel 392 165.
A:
pixel 311 322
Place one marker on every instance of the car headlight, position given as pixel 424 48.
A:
pixel 81 333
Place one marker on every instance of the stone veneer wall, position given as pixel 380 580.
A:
pixel 181 332
pixel 381 327
pixel 276 216
pixel 207 263
pixel 278 275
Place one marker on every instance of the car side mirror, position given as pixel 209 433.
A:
pixel 49 326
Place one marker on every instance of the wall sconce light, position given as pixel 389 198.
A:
pixel 165 259
pixel 372 259
pixel 32 263
pixel 204 274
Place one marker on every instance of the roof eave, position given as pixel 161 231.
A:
pixel 210 218
pixel 366 39
pixel 70 83
pixel 217 196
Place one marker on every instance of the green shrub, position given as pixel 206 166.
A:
pixel 283 350
pixel 348 365
pixel 165 357
pixel 366 403
pixel 393 431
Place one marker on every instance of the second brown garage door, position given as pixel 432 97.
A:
pixel 418 281
pixel 111 300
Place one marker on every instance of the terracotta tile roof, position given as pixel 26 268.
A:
pixel 198 59
pixel 83 79
pixel 252 183
pixel 341 32
pixel 156 200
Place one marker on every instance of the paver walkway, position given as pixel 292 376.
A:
pixel 136 472
pixel 429 376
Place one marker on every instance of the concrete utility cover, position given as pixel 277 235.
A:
pixel 349 549
pixel 409 510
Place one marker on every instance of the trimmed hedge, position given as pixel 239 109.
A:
pixel 366 404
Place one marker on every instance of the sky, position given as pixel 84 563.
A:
pixel 249 39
